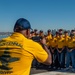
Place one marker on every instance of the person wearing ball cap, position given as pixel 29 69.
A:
pixel 18 51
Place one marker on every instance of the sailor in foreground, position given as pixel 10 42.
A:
pixel 18 51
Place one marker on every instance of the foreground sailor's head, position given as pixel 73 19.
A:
pixel 22 26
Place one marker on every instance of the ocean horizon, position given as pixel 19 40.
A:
pixel 3 36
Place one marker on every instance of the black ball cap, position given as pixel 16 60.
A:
pixel 23 24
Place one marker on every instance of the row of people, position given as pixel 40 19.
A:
pixel 62 48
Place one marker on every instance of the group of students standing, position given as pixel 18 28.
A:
pixel 61 46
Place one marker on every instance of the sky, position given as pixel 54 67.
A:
pixel 42 14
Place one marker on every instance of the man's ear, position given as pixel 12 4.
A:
pixel 26 32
